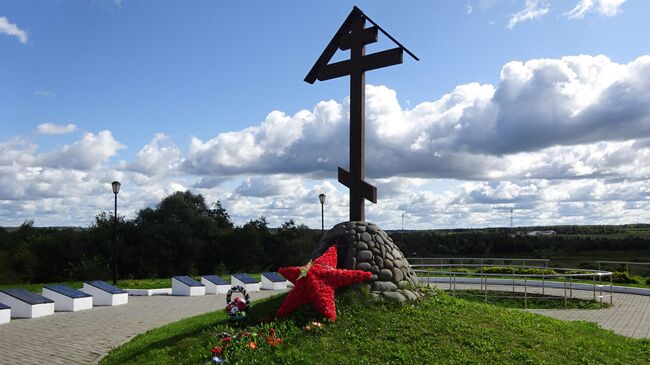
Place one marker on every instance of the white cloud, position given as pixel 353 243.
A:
pixel 85 154
pixel 602 7
pixel 11 29
pixel 159 157
pixel 532 9
pixel 473 132
pixel 562 141
pixel 468 8
pixel 51 128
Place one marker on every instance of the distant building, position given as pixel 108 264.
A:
pixel 540 233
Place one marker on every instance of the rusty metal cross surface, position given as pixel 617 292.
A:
pixel 353 36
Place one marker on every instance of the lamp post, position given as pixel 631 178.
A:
pixel 321 198
pixel 116 189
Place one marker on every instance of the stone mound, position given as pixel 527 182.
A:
pixel 364 246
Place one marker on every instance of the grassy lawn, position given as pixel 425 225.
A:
pixel 509 299
pixel 125 284
pixel 438 330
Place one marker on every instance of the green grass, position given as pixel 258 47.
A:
pixel 438 330
pixel 125 284
pixel 510 299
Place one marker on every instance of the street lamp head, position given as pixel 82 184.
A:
pixel 321 197
pixel 116 186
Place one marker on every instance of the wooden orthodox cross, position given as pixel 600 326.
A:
pixel 353 36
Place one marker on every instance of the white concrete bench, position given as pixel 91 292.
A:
pixel 67 299
pixel 105 294
pixel 273 281
pixel 5 314
pixel 25 304
pixel 215 284
pixel 245 281
pixel 186 286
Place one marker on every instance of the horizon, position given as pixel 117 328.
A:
pixel 538 106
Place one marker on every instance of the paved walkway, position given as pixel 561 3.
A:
pixel 628 316
pixel 84 337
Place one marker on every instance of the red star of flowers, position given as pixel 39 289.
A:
pixel 315 283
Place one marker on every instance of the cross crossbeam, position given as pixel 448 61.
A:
pixel 353 36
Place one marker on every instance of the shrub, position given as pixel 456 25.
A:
pixel 623 277
pixel 460 269
pixel 647 281
pixel 517 270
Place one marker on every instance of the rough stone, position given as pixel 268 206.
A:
pixel 374 269
pixel 366 237
pixel 385 274
pixel 394 296
pixel 383 286
pixel 361 246
pixel 409 295
pixel 364 255
pixel 372 228
pixel 379 261
pixel 360 229
pixel 404 284
pixel 397 274
pixel 379 241
pixel 388 264
pixel 363 266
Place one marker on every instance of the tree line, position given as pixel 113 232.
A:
pixel 183 234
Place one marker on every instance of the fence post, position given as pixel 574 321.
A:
pixel 611 292
pixel 525 292
pixel 485 287
pixel 565 292
pixel 593 278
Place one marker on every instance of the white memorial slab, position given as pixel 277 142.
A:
pixel 105 294
pixel 245 281
pixel 215 284
pixel 25 304
pixel 186 286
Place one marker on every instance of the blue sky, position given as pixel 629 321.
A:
pixel 184 81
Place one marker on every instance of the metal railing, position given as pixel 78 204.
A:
pixel 626 263
pixel 527 276
pixel 471 260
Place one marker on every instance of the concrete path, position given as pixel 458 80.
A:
pixel 628 316
pixel 85 337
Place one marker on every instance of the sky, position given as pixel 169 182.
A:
pixel 539 106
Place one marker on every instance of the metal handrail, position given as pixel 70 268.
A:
pixel 566 276
pixel 478 258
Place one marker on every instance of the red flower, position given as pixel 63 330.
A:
pixel 226 339
pixel 315 284
pixel 252 345
pixel 217 350
pixel 274 341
